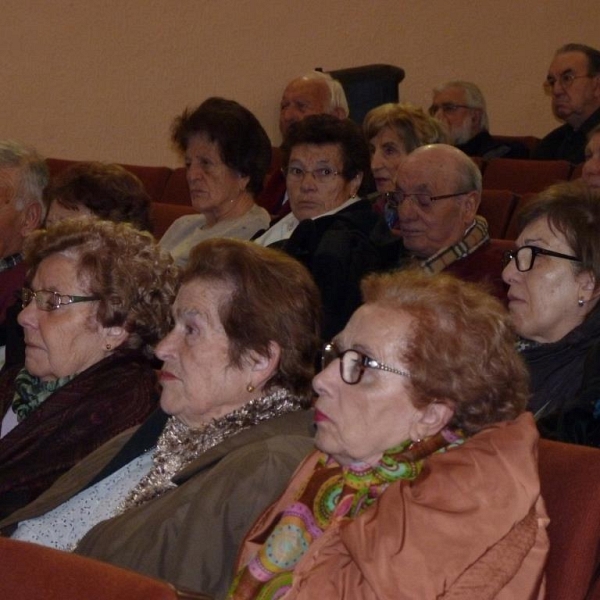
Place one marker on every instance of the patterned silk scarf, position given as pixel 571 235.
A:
pixel 31 391
pixel 332 494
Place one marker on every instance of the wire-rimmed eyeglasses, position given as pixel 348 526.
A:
pixel 321 175
pixel 353 363
pixel 48 300
pixel 447 108
pixel 423 201
pixel 525 256
pixel 565 79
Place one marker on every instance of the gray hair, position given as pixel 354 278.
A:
pixel 473 97
pixel 337 96
pixel 33 169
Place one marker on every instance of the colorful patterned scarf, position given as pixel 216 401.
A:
pixel 31 391
pixel 332 494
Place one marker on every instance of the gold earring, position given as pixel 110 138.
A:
pixel 250 388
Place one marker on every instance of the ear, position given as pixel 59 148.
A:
pixel 355 183
pixel 244 180
pixel 114 336
pixel 262 367
pixel 431 420
pixel 477 116
pixel 31 218
pixel 470 206
pixel 588 290
pixel 339 113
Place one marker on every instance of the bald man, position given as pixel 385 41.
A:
pixel 438 192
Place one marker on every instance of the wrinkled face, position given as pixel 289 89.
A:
pixel 358 423
pixel 198 382
pixel 591 167
pixel 462 123
pixel 426 231
pixel 310 198
pixel 58 212
pixel 575 103
pixel 11 218
pixel 387 151
pixel 69 339
pixel 543 302
pixel 301 98
pixel 214 187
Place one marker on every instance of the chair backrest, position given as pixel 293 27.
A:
pixel 577 171
pixel 497 207
pixel 512 229
pixel 177 190
pixel 162 216
pixel 33 572
pixel 570 483
pixel 527 140
pixel 524 176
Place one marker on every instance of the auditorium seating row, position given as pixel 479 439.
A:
pixel 508 184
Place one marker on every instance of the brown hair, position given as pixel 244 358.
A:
pixel 274 299
pixel 109 191
pixel 462 349
pixel 413 125
pixel 125 267
pixel 573 209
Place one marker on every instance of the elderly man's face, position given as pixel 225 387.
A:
pixel 301 98
pixel 573 102
pixel 450 107
pixel 425 231
pixel 14 223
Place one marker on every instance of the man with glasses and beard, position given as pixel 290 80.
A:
pixel 460 106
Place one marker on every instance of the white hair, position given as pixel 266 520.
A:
pixel 337 96
pixel 473 98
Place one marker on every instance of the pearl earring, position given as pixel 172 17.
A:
pixel 581 302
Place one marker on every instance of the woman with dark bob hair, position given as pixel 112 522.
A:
pixel 425 482
pixel 227 156
pixel 330 229
pixel 96 300
pixel 173 498
pixel 107 191
pixel 554 279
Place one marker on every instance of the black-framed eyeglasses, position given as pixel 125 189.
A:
pixel 48 300
pixel 565 79
pixel 525 256
pixel 353 363
pixel 321 175
pixel 447 108
pixel 422 201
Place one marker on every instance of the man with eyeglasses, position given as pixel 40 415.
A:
pixel 461 107
pixel 23 177
pixel 438 192
pixel 573 83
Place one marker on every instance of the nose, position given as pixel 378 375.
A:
pixel 193 173
pixel 28 315
pixel 376 160
pixel 309 181
pixel 510 272
pixel 322 381
pixel 406 209
pixel 165 349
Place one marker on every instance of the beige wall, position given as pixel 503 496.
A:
pixel 103 80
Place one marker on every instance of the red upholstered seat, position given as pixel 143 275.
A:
pixel 497 207
pixel 512 229
pixel 163 215
pixel 154 179
pixel 177 191
pixel 524 176
pixel 576 172
pixel 570 482
pixel 32 572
